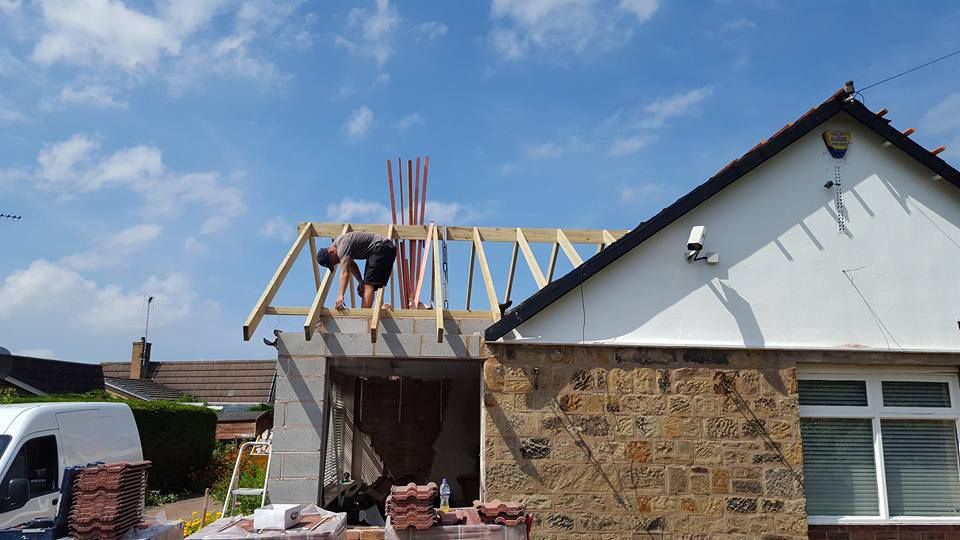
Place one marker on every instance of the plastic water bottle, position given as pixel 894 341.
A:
pixel 444 496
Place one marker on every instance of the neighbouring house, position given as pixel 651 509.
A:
pixel 39 376
pixel 791 373
pixel 231 387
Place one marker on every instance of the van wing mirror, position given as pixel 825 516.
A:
pixel 19 490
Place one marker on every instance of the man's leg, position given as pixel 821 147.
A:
pixel 368 293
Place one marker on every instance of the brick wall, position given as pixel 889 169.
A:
pixel 613 443
pixel 884 532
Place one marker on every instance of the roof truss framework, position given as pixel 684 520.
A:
pixel 521 239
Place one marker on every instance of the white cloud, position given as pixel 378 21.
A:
pixel 680 104
pixel 94 95
pixel 944 116
pixel 194 247
pixel 9 114
pixel 10 7
pixel 738 24
pixel 522 26
pixel 409 121
pixel 454 213
pixel 370 32
pixel 430 31
pixel 176 42
pixel 277 228
pixel 88 31
pixel 629 145
pixel 358 124
pixel 545 150
pixel 632 193
pixel 358 211
pixel 381 78
pixel 48 291
pixel 73 167
pixel 363 211
pixel 114 249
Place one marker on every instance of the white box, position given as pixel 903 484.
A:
pixel 276 516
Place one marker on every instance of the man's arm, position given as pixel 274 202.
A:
pixel 346 262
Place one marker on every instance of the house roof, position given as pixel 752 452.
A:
pixel 144 389
pixel 212 381
pixel 240 416
pixel 841 101
pixel 50 376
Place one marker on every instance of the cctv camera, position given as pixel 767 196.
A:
pixel 697 235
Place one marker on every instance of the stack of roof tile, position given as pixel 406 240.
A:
pixel 500 513
pixel 108 500
pixel 412 506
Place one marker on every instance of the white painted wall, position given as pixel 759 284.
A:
pixel 779 283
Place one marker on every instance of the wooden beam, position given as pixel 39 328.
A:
pixel 313 258
pixel 375 319
pixel 531 260
pixel 485 273
pixel 607 237
pixel 465 234
pixel 473 258
pixel 287 310
pixel 513 270
pixel 259 309
pixel 423 267
pixel 438 286
pixel 554 251
pixel 313 314
pixel 424 314
pixel 568 248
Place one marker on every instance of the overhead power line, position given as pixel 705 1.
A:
pixel 911 70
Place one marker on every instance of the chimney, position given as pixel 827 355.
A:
pixel 140 359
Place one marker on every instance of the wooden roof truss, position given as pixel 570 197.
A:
pixel 521 238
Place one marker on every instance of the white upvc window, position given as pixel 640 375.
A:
pixel 880 445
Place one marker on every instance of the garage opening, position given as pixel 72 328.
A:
pixel 392 422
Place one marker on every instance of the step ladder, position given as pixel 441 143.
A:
pixel 257 448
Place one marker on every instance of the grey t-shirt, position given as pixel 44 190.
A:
pixel 358 245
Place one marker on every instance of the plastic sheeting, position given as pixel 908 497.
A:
pixel 315 524
pixel 457 532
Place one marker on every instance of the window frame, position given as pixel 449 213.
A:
pixel 876 411
pixel 33 437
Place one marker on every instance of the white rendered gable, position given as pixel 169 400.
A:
pixel 780 282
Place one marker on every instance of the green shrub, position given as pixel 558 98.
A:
pixel 177 438
pixel 253 472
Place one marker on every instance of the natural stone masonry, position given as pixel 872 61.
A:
pixel 644 443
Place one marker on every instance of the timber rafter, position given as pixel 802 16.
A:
pixel 520 237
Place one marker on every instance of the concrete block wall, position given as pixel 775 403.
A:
pixel 299 410
pixel 605 443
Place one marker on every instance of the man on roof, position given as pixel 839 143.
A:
pixel 347 249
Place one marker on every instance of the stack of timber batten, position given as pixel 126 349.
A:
pixel 412 506
pixel 108 500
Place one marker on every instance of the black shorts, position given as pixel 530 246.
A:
pixel 376 271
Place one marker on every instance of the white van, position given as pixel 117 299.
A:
pixel 39 440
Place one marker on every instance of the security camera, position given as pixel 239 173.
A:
pixel 697 235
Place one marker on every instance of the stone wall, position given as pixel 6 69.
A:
pixel 615 443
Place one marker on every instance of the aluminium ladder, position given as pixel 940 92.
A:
pixel 230 499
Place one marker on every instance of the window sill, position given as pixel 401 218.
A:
pixel 865 520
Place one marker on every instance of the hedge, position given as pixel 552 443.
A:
pixel 178 438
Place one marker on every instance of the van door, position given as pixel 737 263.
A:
pixel 37 462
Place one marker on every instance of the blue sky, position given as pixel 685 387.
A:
pixel 170 147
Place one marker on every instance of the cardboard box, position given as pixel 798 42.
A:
pixel 276 516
